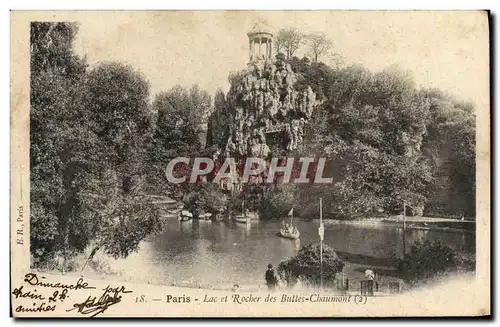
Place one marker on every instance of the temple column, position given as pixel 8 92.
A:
pixel 265 48
pixel 250 49
pixel 260 46
pixel 269 47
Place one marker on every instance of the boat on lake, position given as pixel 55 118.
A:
pixel 292 234
pixel 242 218
pixel 185 215
pixel 252 215
pixel 205 216
pixel 289 231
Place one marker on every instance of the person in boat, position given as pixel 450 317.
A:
pixel 271 279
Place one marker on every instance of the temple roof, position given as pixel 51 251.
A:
pixel 260 28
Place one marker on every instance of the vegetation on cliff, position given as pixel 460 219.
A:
pixel 387 140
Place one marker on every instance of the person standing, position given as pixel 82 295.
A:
pixel 271 279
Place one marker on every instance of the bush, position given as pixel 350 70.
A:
pixel 426 260
pixel 206 197
pixel 276 204
pixel 306 266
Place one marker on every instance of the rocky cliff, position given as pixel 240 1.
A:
pixel 263 99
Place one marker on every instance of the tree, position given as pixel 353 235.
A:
pixel 87 131
pixel 56 79
pixel 306 266
pixel 276 201
pixel 112 199
pixel 181 114
pixel 205 198
pixel 371 126
pixel 118 99
pixel 450 147
pixel 288 40
pixel 319 44
pixel 218 123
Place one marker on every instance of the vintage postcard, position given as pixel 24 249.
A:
pixel 250 163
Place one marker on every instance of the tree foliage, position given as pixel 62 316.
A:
pixel 450 146
pixel 306 266
pixel 319 45
pixel 207 198
pixel 181 114
pixel 88 129
pixel 372 127
pixel 219 121
pixel 288 41
pixel 427 260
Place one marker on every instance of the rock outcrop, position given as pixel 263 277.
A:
pixel 263 99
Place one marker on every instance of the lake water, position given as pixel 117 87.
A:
pixel 218 253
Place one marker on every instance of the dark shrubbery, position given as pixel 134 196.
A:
pixel 205 198
pixel 276 203
pixel 306 266
pixel 427 260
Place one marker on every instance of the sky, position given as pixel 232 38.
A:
pixel 447 50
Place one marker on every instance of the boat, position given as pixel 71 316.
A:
pixel 185 215
pixel 291 231
pixel 242 218
pixel 253 215
pixel 205 216
pixel 293 234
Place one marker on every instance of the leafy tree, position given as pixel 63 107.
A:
pixel 372 127
pixel 121 118
pixel 276 201
pixel 450 147
pixel 181 113
pixel 218 123
pixel 316 75
pixel 55 83
pixel 288 40
pixel 205 197
pixel 86 132
pixel 112 200
pixel 306 266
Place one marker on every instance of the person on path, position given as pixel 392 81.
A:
pixel 271 279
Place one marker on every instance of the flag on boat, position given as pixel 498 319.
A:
pixel 291 212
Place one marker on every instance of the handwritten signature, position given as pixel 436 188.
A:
pixel 94 306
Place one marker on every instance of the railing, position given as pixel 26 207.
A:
pixel 368 287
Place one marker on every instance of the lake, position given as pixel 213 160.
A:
pixel 208 253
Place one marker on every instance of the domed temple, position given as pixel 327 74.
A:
pixel 260 40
